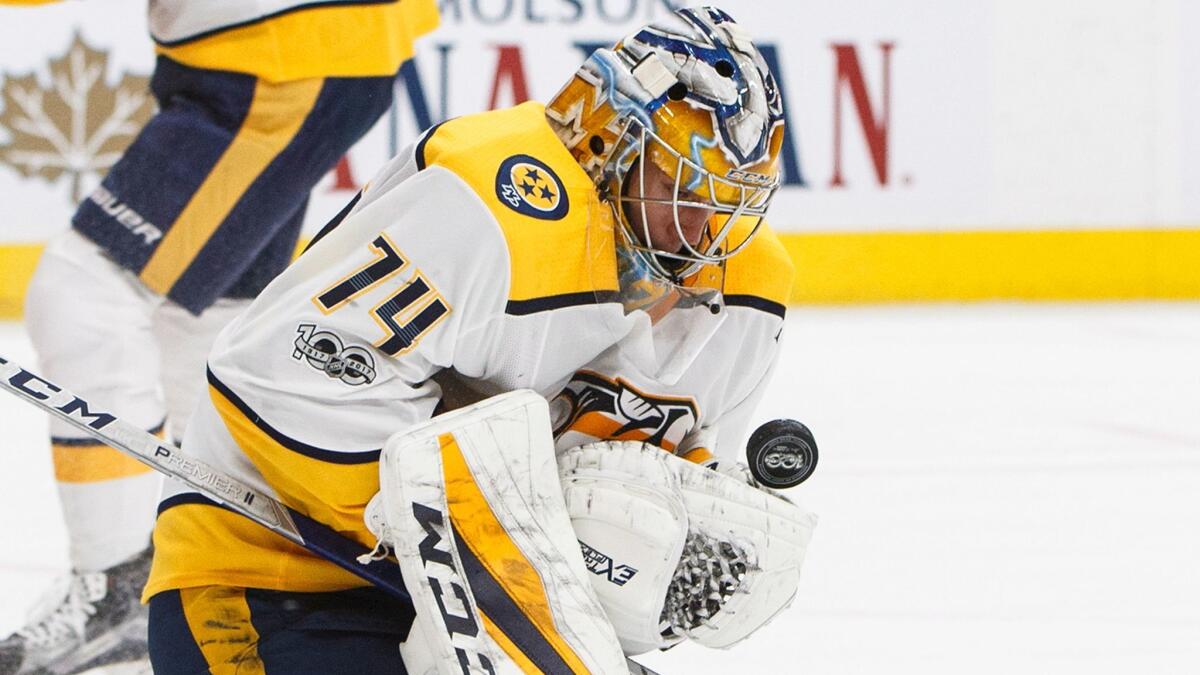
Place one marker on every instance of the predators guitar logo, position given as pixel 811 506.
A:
pixel 606 409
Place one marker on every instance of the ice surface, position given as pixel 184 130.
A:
pixel 1003 488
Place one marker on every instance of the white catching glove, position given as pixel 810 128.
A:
pixel 678 550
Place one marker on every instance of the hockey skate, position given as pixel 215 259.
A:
pixel 96 620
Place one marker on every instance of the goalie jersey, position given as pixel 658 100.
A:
pixel 481 253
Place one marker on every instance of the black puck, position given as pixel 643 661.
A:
pixel 781 454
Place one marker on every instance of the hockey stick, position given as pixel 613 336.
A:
pixel 234 494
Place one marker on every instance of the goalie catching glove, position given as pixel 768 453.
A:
pixel 678 550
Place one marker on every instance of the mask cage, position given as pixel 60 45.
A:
pixel 728 199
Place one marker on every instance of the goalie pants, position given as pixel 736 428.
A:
pixel 226 630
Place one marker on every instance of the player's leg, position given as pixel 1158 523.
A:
pixel 93 319
pixel 90 321
pixel 207 202
pixel 222 629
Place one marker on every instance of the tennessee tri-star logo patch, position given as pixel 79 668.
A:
pixel 530 188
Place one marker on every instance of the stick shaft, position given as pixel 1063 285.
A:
pixel 212 483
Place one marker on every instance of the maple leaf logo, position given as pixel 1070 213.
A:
pixel 78 126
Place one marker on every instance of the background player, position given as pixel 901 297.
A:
pixel 608 247
pixel 256 104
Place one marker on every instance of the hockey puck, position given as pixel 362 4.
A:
pixel 781 454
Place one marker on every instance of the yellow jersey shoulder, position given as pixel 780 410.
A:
pixel 559 236
pixel 762 270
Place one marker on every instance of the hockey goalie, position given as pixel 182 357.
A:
pixel 568 312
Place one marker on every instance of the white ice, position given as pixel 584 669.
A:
pixel 1002 488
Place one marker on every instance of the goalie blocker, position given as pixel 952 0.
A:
pixel 471 505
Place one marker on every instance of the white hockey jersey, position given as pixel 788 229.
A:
pixel 481 255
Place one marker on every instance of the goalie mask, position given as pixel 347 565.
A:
pixel 680 126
